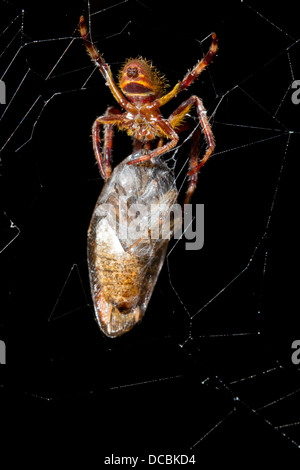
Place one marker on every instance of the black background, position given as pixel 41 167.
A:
pixel 165 385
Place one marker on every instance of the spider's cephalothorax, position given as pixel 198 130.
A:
pixel 140 81
pixel 141 93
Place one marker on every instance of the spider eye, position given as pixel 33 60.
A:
pixel 132 72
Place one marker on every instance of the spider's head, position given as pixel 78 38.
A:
pixel 140 81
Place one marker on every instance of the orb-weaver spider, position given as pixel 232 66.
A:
pixel 141 94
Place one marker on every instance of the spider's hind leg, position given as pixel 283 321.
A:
pixel 194 158
pixel 112 116
pixel 176 120
pixel 108 140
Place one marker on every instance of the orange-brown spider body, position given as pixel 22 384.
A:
pixel 123 273
pixel 141 93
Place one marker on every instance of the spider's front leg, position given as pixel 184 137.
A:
pixel 191 75
pixel 111 117
pixel 104 68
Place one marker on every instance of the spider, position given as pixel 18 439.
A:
pixel 141 93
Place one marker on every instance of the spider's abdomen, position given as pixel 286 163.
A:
pixel 140 81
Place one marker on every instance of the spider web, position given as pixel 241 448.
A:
pixel 210 365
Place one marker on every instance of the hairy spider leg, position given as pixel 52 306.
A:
pixel 98 59
pixel 108 140
pixel 194 157
pixel 191 76
pixel 112 116
pixel 175 120
pixel 179 114
pixel 202 114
